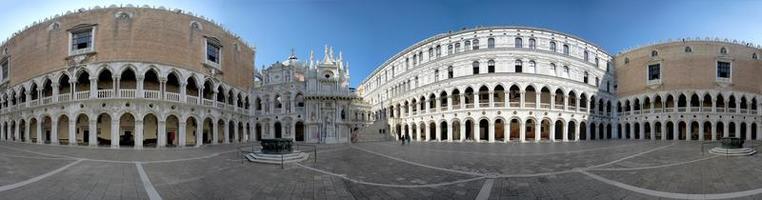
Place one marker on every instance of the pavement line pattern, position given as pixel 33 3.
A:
pixel 38 178
pixel 654 167
pixel 389 185
pixel 419 164
pixel 632 156
pixel 673 195
pixel 121 161
pixel 486 189
pixel 152 193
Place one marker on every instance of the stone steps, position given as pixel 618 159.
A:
pixel 732 152
pixel 260 157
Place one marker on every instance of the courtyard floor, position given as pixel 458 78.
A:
pixel 614 169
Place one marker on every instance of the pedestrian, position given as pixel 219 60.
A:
pixel 407 138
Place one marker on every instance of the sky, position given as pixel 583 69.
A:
pixel 369 32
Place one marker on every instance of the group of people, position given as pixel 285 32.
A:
pixel 404 138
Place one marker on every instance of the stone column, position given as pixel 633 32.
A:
pixel 714 130
pixel 747 131
pixel 115 132
pixel 522 130
pixel 491 130
pixel 92 130
pixel 701 128
pixel 491 98
pixel 652 129
pixel 417 132
pixel 27 128
pixel 675 130
pixel 553 106
pixel 54 85
pixel 477 132
pixel 566 102
pixel 725 128
pixel 216 129
pixel 537 130
pixel 577 132
pixel 181 134
pixel 93 87
pixel 427 131
pixel 565 131
pixel 72 131
pixel 688 130
pixel 53 131
pixel 552 131
pixel 537 100
pixel 587 131
pixel 161 134
pixel 476 100
pixel 642 132
pixel 40 140
pixel 140 87
pixel 438 132
pixel 17 130
pixel 449 103
pixel 139 135
pixel 507 131
pixel 200 132
pixel 226 132
pixel 449 132
pixel 522 96
pixel 463 131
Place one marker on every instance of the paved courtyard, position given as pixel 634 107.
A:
pixel 614 169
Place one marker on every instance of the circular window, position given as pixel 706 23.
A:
pixel 327 76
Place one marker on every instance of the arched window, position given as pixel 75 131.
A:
pixel 491 66
pixel 554 69
pixel 468 45
pixel 491 43
pixel 585 78
pixel 431 53
pixel 475 66
pixel 688 50
pixel 723 51
pixel 532 43
pixel 586 55
pixel 449 49
pixel 517 66
pixel 553 46
pixel 654 53
pixel 439 51
pixel 415 59
pixel 476 44
pixel 566 49
pixel 450 73
pixel 518 43
pixel 566 71
pixel 457 47
pixel 532 66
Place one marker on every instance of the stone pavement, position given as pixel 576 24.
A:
pixel 616 169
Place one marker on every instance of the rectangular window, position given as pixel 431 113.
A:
pixel 4 65
pixel 450 74
pixel 476 70
pixel 491 69
pixel 654 72
pixel 436 75
pixel 82 39
pixel 723 69
pixel 213 52
pixel 517 69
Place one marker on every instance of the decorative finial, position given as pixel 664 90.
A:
pixel 293 54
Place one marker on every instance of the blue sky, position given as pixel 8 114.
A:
pixel 370 31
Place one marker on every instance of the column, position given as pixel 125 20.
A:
pixel 427 131
pixel 652 130
pixel 714 130
pixel 476 99
pixel 114 132
pixel 92 129
pixel 537 100
pixel 537 131
pixel 53 131
pixel 577 132
pixel 462 131
pixel 615 129
pixel 565 137
pixel 449 132
pixel 642 132
pixel 139 133
pixel 507 131
pixel 226 132
pixel 200 132
pixel 162 132
pixel 522 96
pixel 491 130
pixel 93 87
pixel 139 89
pixel 462 101
pixel 417 132
pixel 438 132
pixel 16 131
pixel 39 131
pixel 566 102
pixel 675 130
pixel 725 128
pixel 553 106
pixel 27 128
pixel 552 131
pixel 72 131
pixel 449 103
pixel 747 131
pixel 701 128
pixel 54 85
pixel 181 134
pixel 477 132
pixel 491 99
pixel 688 130
pixel 522 130
pixel 587 131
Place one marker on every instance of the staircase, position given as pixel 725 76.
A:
pixel 373 133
